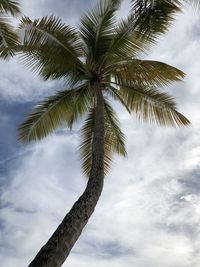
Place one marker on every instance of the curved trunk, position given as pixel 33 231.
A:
pixel 58 247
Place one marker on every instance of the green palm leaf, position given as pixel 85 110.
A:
pixel 141 29
pixel 85 147
pixel 8 38
pixel 49 47
pixel 97 27
pixel 154 17
pixel 126 42
pixel 150 105
pixel 116 95
pixel 10 6
pixel 148 73
pixel 63 107
pixel 83 101
pixel 114 139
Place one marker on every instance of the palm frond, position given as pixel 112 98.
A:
pixel 49 47
pixel 151 105
pixel 153 17
pixel 8 38
pixel 85 147
pixel 148 73
pixel 56 66
pixel 10 6
pixel 50 30
pixel 126 42
pixel 139 5
pixel 97 27
pixel 83 101
pixel 63 107
pixel 115 94
pixel 113 139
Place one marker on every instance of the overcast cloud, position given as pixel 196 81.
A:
pixel 149 212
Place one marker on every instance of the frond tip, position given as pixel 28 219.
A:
pixel 152 106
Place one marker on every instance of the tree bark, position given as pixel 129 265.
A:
pixel 58 247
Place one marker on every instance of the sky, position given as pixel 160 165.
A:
pixel 149 211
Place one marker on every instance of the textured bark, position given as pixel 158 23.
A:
pixel 58 247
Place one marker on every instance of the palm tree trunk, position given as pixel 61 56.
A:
pixel 58 247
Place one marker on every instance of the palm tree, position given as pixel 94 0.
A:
pixel 8 37
pixel 98 62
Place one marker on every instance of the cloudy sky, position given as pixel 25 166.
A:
pixel 149 212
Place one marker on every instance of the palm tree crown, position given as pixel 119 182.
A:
pixel 101 51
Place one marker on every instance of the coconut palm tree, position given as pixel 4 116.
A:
pixel 100 61
pixel 8 37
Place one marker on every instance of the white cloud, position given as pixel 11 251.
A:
pixel 20 85
pixel 69 12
